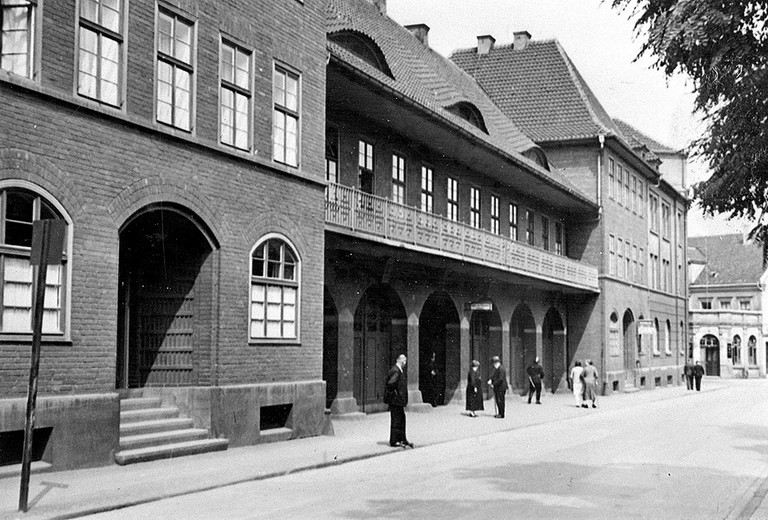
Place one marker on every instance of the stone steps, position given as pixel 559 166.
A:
pixel 150 431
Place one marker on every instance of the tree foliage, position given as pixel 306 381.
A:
pixel 723 47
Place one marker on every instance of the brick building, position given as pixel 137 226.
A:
pixel 727 305
pixel 181 141
pixel 639 322
pixel 446 230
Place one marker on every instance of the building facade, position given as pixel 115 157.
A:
pixel 638 244
pixel 167 136
pixel 727 306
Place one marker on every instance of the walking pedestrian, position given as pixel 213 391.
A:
pixel 498 381
pixel 589 376
pixel 474 390
pixel 577 384
pixel 396 396
pixel 688 371
pixel 698 372
pixel 535 375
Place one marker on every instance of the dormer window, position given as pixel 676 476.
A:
pixel 364 48
pixel 470 113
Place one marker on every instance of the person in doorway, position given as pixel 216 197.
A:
pixel 698 372
pixel 498 381
pixel 577 383
pixel 589 376
pixel 688 371
pixel 474 390
pixel 396 396
pixel 535 375
pixel 435 396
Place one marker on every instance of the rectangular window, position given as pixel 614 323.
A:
pixel 398 179
pixel 705 304
pixel 365 163
pixel 627 195
pixel 628 260
pixel 175 51
pixel 494 214
pixel 634 194
pixel 641 262
pixel 725 304
pixel 101 40
pixel 235 100
pixel 558 238
pixel 665 220
pixel 653 213
pixel 427 191
pixel 529 227
pixel 452 200
pixel 17 36
pixel 680 229
pixel 640 197
pixel 620 257
pixel 745 305
pixel 752 350
pixel 474 208
pixel 285 126
pixel 611 178
pixel 619 184
pixel 612 255
pixel 513 233
pixel 545 233
pixel 635 274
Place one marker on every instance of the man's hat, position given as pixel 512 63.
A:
pixel 475 363
pixel 495 359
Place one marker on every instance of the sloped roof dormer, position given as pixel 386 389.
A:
pixel 468 112
pixel 363 47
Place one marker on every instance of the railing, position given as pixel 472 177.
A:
pixel 361 212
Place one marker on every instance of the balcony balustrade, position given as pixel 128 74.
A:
pixel 352 210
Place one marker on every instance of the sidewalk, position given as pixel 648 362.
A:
pixel 70 494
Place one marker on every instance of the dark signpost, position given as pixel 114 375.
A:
pixel 47 247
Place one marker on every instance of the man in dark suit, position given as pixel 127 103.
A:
pixel 396 396
pixel 698 372
pixel 688 371
pixel 498 381
pixel 535 375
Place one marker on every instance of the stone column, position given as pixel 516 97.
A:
pixel 414 394
pixel 345 401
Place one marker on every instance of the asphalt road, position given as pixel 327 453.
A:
pixel 694 456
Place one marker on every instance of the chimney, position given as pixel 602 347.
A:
pixel 485 44
pixel 421 32
pixel 522 39
pixel 381 4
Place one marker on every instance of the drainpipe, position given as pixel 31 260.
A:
pixel 601 140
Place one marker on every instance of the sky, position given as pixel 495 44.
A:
pixel 601 42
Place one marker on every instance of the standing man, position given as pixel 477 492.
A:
pixel 688 371
pixel 535 375
pixel 589 375
pixel 698 372
pixel 498 381
pixel 396 396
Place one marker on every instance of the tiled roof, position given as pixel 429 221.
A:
pixel 420 73
pixel 540 89
pixel 728 260
pixel 630 131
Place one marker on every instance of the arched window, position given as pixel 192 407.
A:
pixel 470 113
pixel 19 207
pixel 274 290
pixel 752 350
pixel 668 339
pixel 364 48
pixel 736 350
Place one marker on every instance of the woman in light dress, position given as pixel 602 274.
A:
pixel 577 383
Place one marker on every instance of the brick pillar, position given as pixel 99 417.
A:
pixel 414 394
pixel 345 401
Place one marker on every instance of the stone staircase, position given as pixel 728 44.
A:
pixel 149 431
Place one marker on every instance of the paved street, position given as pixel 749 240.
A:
pixel 691 456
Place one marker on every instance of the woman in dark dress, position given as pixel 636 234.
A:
pixel 474 390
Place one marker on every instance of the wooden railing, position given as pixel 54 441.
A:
pixel 361 212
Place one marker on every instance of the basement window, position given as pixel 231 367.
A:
pixel 12 445
pixel 275 416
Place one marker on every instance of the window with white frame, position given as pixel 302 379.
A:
pixel 619 185
pixel 725 303
pixel 635 273
pixel 752 350
pixel 634 194
pixel 513 225
pixel 365 164
pixel 559 238
pixel 656 337
pixel 452 200
pixel 640 198
pixel 745 305
pixel 705 303
pixel 612 255
pixel 627 260
pixel 285 121
pixel 398 179
pixel 427 190
pixel 545 233
pixel 332 155
pixel 641 263
pixel 274 290
pixel 611 178
pixel 668 339
pixel 474 208
pixel 494 214
pixel 18 209
pixel 530 224
pixel 665 220
pixel 627 195
pixel 620 256
pixel 235 96
pixel 101 41
pixel 175 53
pixel 17 36
pixel 653 213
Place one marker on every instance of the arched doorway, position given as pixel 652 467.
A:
pixel 380 336
pixel 522 336
pixel 736 350
pixel 439 334
pixel 629 329
pixel 553 351
pixel 330 348
pixel 485 341
pixel 710 352
pixel 165 298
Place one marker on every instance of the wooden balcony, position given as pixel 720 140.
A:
pixel 352 211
